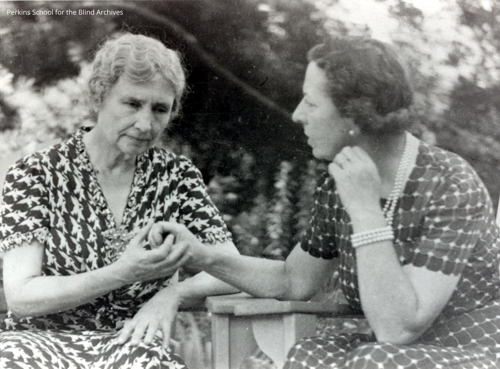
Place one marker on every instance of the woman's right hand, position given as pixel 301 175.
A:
pixel 357 180
pixel 138 264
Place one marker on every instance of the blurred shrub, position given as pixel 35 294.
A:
pixel 37 117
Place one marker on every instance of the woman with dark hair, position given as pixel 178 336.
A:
pixel 85 286
pixel 412 224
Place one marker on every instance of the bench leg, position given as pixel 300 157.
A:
pixel 276 334
pixel 232 341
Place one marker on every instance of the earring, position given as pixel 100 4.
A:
pixel 352 133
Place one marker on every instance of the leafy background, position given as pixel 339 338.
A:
pixel 246 60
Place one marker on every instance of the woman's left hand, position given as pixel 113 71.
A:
pixel 157 314
pixel 357 179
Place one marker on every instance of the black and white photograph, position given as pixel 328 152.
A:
pixel 250 184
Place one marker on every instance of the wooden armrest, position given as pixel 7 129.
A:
pixel 242 304
pixel 224 304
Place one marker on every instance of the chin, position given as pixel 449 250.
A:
pixel 322 155
pixel 135 150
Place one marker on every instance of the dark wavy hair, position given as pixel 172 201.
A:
pixel 367 82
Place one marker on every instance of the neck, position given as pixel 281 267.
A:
pixel 105 158
pixel 386 152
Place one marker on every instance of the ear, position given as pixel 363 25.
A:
pixel 94 112
pixel 353 129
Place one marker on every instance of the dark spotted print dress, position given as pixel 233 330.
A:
pixel 445 223
pixel 53 197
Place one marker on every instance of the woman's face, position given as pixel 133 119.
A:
pixel 327 131
pixel 133 115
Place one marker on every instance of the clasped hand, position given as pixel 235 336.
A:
pixel 138 264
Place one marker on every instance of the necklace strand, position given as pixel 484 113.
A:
pixel 390 205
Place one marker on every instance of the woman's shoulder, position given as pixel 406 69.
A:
pixel 448 176
pixel 48 157
pixel 444 163
pixel 162 159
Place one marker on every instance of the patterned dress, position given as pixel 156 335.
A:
pixel 53 196
pixel 445 223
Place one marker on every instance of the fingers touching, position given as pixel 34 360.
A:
pixel 141 235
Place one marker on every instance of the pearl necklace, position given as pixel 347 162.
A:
pixel 404 162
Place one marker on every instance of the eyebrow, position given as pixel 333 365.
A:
pixel 130 97
pixel 134 98
pixel 162 105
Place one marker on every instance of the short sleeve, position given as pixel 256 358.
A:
pixel 451 228
pixel 197 211
pixel 24 210
pixel 319 240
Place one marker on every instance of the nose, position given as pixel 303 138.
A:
pixel 298 116
pixel 144 120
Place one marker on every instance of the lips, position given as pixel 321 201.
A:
pixel 140 139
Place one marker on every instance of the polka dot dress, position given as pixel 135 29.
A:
pixel 444 222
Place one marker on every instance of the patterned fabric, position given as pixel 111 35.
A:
pixel 359 351
pixel 54 197
pixel 82 349
pixel 444 222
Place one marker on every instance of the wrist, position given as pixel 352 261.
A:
pixel 117 274
pixel 361 206
pixel 172 293
pixel 372 236
pixel 201 257
pixel 367 219
pixel 186 294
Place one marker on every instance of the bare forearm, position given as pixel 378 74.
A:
pixel 258 277
pixel 387 296
pixel 43 295
pixel 194 290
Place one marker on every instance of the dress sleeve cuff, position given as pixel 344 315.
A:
pixel 215 237
pixel 17 239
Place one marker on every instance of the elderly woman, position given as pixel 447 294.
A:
pixel 78 266
pixel 412 224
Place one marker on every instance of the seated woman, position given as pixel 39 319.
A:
pixel 78 267
pixel 412 224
